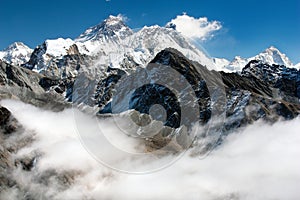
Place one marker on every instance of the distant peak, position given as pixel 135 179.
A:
pixel 272 55
pixel 16 45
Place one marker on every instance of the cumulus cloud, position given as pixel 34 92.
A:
pixel 195 28
pixel 260 162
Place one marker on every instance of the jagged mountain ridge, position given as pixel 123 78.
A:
pixel 269 56
pixel 112 43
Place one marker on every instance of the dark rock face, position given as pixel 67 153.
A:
pixel 35 56
pixel 5 114
pixel 103 93
pixel 189 70
pixel 154 94
pixel 285 80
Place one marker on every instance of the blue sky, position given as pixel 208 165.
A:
pixel 248 27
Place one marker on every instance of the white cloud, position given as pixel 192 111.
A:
pixel 196 28
pixel 260 162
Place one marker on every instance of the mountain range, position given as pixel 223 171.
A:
pixel 112 41
pixel 110 51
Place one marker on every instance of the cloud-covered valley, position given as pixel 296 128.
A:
pixel 258 162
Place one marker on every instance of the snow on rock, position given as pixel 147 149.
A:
pixel 58 47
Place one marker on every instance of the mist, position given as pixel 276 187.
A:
pixel 258 162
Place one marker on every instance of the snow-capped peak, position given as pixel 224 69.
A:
pixel 113 26
pixel 273 56
pixel 17 53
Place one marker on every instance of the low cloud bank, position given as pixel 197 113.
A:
pixel 260 162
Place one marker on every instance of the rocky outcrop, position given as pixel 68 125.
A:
pixel 284 81
pixel 9 126
pixel 30 87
